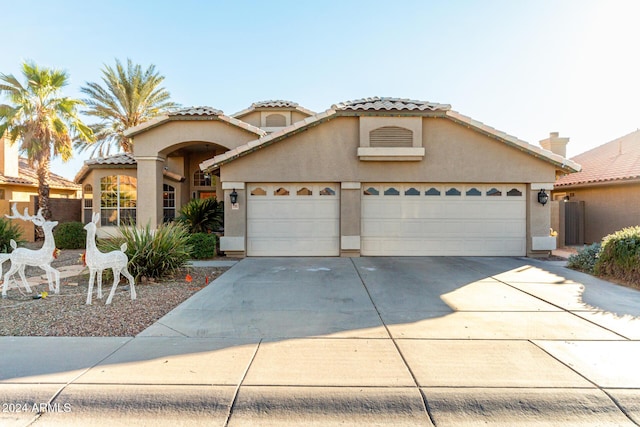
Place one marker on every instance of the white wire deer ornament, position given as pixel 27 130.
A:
pixel 22 257
pixel 98 261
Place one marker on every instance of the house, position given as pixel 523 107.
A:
pixel 605 195
pixel 19 184
pixel 376 176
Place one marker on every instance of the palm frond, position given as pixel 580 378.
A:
pixel 127 96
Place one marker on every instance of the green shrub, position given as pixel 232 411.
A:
pixel 202 215
pixel 70 235
pixel 585 259
pixel 620 255
pixel 203 245
pixel 152 253
pixel 8 231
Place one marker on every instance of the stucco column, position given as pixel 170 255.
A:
pixel 149 209
pixel 233 243
pixel 539 240
pixel 350 214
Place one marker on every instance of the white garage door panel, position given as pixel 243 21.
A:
pixel 285 220
pixel 466 224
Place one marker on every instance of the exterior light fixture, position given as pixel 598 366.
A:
pixel 566 198
pixel 543 197
pixel 233 197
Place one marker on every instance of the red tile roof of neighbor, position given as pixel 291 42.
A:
pixel 29 177
pixel 618 160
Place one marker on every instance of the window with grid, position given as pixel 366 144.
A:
pixel 168 203
pixel 118 200
pixel 87 202
pixel 201 179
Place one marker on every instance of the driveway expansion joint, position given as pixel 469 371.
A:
pixel 237 389
pixel 425 403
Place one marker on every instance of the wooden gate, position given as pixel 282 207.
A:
pixel 573 223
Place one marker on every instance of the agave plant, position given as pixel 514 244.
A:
pixel 202 215
pixel 152 253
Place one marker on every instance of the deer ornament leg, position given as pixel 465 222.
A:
pixel 22 257
pixel 98 261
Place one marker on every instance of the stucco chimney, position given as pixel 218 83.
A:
pixel 555 144
pixel 8 157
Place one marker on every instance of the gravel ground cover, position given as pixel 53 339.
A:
pixel 66 314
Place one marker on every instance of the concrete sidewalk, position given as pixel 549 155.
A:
pixel 364 341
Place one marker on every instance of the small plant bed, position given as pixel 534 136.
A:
pixel 616 259
pixel 66 314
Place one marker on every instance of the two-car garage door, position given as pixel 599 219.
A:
pixel 396 219
pixel 443 219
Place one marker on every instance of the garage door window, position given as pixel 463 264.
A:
pixel 391 191
pixel 453 192
pixel 281 192
pixel 473 192
pixel 327 191
pixel 258 192
pixel 494 192
pixel 432 192
pixel 371 192
pixel 304 191
pixel 514 192
pixel 412 192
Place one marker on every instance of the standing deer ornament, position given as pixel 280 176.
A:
pixel 98 261
pixel 22 257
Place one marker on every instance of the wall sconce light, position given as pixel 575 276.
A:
pixel 233 197
pixel 565 198
pixel 543 197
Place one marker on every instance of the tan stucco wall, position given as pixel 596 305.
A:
pixel 21 193
pixel 328 153
pixel 173 135
pixel 296 116
pixel 253 118
pixel 608 208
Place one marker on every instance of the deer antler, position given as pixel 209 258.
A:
pixel 16 214
pixel 37 220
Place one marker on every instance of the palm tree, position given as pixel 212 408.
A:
pixel 128 97
pixel 42 119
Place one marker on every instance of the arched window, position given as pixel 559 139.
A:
pixel 118 199
pixel 275 120
pixel 168 203
pixel 87 202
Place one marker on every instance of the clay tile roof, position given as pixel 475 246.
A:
pixel 192 113
pixel 28 176
pixel 277 103
pixel 197 111
pixel 116 159
pixel 274 103
pixel 617 160
pixel 120 159
pixel 384 103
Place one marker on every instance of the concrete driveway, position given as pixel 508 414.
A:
pixel 372 341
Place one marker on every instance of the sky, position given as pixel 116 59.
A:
pixel 526 67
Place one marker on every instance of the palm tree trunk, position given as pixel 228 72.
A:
pixel 43 186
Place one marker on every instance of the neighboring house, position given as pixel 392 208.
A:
pixel 19 184
pixel 377 176
pixel 606 192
